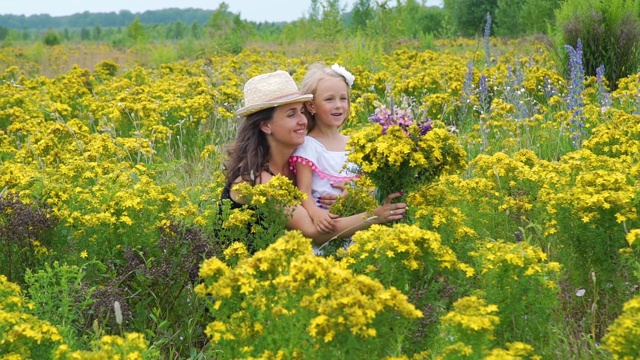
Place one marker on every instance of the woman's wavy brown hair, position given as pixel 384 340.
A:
pixel 249 155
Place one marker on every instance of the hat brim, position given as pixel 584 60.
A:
pixel 248 110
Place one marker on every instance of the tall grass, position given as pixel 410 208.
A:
pixel 609 32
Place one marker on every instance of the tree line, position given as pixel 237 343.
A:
pixel 110 19
pixel 404 18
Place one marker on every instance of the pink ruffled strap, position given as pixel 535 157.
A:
pixel 323 175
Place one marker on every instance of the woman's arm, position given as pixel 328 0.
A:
pixel 347 226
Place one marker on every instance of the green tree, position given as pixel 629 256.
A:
pixel 4 33
pixel 226 30
pixel 135 30
pixel 51 38
pixel 85 34
pixel 361 14
pixel 315 12
pixel 508 16
pixel 537 15
pixel 409 13
pixel 97 33
pixel 179 30
pixel 387 25
pixel 330 26
pixel 126 16
pixel 196 30
pixel 290 33
pixel 220 19
pixel 432 20
pixel 524 17
pixel 469 16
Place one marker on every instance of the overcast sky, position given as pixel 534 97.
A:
pixel 252 10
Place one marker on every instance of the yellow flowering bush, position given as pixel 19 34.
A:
pixel 402 253
pixel 413 259
pixel 284 298
pixel 264 217
pixel 591 202
pixel 514 351
pixel 452 207
pixel 631 255
pixel 471 314
pixel 22 335
pixel 509 192
pixel 519 279
pixel 468 328
pixel 131 346
pixel 622 339
pixel 618 137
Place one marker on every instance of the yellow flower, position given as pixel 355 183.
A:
pixel 472 314
pixel 633 236
pixel 238 218
pixel 212 267
pixel 622 338
pixel 215 331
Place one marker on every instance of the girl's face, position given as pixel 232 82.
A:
pixel 330 102
pixel 288 126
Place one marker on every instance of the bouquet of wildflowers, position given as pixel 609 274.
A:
pixel 358 199
pixel 399 153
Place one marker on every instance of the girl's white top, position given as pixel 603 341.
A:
pixel 328 166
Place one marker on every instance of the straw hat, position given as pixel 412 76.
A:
pixel 270 90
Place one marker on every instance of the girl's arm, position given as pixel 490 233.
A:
pixel 321 218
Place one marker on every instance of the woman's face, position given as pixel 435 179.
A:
pixel 288 126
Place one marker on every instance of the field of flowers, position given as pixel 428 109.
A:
pixel 524 244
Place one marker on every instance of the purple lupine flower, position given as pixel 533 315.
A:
pixel 467 87
pixel 487 38
pixel 604 98
pixel 575 100
pixel 515 93
pixel 483 94
pixel 467 92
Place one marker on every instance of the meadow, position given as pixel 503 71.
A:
pixel 523 239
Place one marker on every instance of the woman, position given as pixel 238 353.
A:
pixel 274 126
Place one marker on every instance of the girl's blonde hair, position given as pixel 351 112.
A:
pixel 315 73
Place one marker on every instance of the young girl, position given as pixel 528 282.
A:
pixel 321 162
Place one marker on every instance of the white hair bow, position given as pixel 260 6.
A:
pixel 345 73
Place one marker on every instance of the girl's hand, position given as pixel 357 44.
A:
pixel 326 200
pixel 389 211
pixel 323 221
